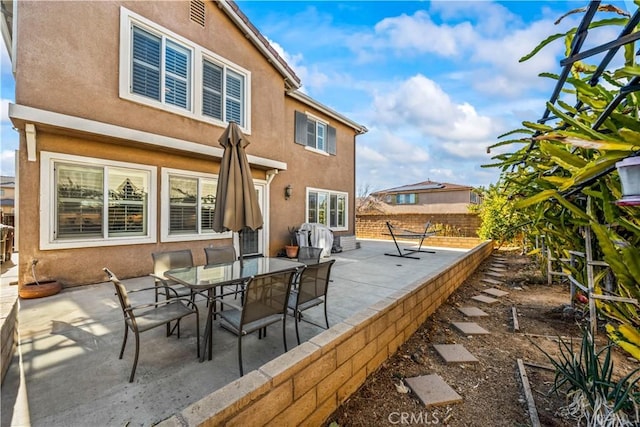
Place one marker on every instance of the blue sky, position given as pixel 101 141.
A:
pixel 434 82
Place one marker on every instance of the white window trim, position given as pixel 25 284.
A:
pixel 199 53
pixel 47 203
pixel 330 193
pixel 164 209
pixel 326 126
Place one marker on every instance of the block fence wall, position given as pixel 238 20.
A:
pixel 308 383
pixel 372 226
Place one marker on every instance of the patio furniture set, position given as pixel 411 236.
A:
pixel 260 292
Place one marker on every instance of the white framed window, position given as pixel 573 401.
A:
pixel 406 199
pixel 223 93
pixel 314 133
pixel 163 70
pixel 95 202
pixel 328 208
pixel 188 203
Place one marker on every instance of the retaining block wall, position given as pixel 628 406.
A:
pixel 373 226
pixel 308 383
pixel 8 325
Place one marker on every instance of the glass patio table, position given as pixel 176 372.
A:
pixel 210 277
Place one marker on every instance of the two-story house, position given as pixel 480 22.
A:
pixel 429 197
pixel 120 106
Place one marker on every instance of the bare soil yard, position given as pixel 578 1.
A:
pixel 491 389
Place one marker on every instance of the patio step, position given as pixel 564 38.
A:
pixel 491 281
pixel 455 353
pixel 472 312
pixel 432 390
pixel 470 328
pixel 495 292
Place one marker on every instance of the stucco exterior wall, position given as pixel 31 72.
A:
pixel 68 62
pixel 307 168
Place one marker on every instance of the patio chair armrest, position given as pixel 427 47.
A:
pixel 155 288
pixel 186 301
pixel 159 278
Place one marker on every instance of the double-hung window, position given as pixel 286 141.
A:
pixel 161 68
pixel 328 208
pixel 164 70
pixel 91 202
pixel 314 133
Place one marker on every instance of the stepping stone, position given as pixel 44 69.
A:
pixel 494 274
pixel 472 311
pixel 485 299
pixel 432 390
pixel 470 328
pixel 497 270
pixel 495 292
pixel 499 265
pixel 455 353
pixel 499 259
pixel 491 281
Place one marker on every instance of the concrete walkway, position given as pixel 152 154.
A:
pixel 69 344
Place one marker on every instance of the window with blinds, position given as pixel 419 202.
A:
pixel 191 205
pixel 222 103
pixel 100 201
pixel 164 70
pixel 150 61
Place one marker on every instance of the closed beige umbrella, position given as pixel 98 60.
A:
pixel 236 199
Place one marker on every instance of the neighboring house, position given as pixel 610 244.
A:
pixel 120 106
pixel 427 197
pixel 7 195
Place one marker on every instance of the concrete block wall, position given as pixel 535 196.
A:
pixel 373 226
pixel 307 384
pixel 8 325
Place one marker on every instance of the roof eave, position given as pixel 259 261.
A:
pixel 292 81
pixel 360 129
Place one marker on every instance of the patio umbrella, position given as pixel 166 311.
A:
pixel 236 200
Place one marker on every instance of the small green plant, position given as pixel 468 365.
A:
pixel 595 399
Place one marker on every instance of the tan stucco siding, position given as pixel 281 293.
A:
pixel 83 265
pixel 306 168
pixel 68 62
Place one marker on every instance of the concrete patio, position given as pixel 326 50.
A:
pixel 66 371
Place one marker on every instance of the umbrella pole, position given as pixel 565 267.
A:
pixel 241 248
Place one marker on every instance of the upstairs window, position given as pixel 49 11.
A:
pixel 314 133
pixel 161 69
pixel 164 70
pixel 223 93
pixel 406 199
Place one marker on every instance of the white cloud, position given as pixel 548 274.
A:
pixel 418 33
pixel 422 104
pixel 7 163
pixel 4 111
pixel 310 77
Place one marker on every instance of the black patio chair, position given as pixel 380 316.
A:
pixel 309 255
pixel 265 303
pixel 223 255
pixel 143 317
pixel 167 260
pixel 311 291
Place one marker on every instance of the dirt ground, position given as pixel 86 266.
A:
pixel 491 389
